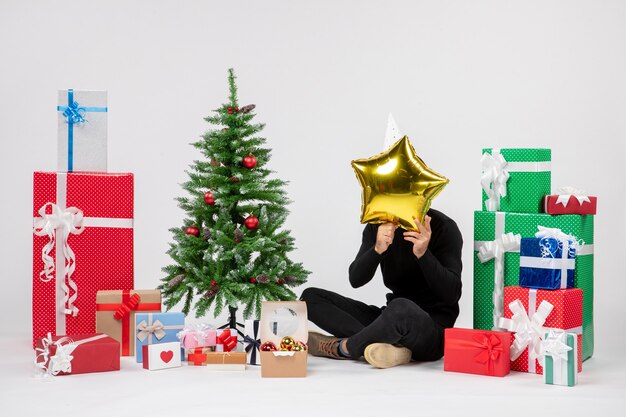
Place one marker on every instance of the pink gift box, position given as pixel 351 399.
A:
pixel 197 336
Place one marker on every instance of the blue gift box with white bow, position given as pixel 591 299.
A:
pixel 153 328
pixel 547 263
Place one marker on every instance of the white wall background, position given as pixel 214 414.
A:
pixel 457 75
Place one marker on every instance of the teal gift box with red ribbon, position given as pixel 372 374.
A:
pixel 473 351
pixel 82 131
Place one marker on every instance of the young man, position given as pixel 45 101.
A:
pixel 423 271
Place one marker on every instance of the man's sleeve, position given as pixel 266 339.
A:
pixel 363 268
pixel 442 265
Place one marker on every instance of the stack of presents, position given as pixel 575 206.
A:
pixel 86 312
pixel 533 274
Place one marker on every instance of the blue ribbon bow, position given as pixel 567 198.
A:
pixel 74 114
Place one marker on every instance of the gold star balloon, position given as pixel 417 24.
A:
pixel 397 186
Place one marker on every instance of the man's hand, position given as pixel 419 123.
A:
pixel 421 238
pixel 384 237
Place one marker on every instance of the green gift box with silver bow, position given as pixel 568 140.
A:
pixel 497 262
pixel 560 352
pixel 515 180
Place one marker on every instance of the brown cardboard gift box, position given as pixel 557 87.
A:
pixel 280 319
pixel 115 314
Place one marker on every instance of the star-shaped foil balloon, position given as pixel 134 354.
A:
pixel 397 186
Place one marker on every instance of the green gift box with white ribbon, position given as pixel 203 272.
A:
pixel 560 352
pixel 515 180
pixel 497 262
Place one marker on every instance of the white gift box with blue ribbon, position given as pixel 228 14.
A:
pixel 548 260
pixel 82 131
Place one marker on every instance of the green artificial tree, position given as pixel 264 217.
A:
pixel 231 251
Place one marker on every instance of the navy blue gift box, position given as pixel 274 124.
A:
pixel 546 263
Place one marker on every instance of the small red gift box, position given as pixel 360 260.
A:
pixel 77 354
pixel 82 243
pixel 481 352
pixel 566 314
pixel 569 201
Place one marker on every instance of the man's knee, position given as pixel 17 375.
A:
pixel 311 294
pixel 399 308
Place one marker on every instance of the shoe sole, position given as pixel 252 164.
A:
pixel 384 355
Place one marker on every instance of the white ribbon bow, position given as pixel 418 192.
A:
pixel 145 330
pixel 66 221
pixel 496 249
pixel 565 193
pixel 555 345
pixel 61 361
pixel 493 179
pixel 528 331
pixel 567 243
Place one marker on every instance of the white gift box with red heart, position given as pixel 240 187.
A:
pixel 161 356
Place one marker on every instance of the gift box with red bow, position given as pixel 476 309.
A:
pixel 155 328
pixel 569 200
pixel 481 352
pixel 530 313
pixel 226 340
pixel 77 354
pixel 115 314
pixel 82 243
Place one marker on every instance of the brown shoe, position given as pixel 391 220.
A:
pixel 324 346
pixel 384 355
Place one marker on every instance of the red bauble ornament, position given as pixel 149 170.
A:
pixel 213 283
pixel 280 281
pixel 249 161
pixel 234 179
pixel 236 109
pixel 268 347
pixel 253 280
pixel 251 222
pixel 230 110
pixel 192 231
pixel 208 198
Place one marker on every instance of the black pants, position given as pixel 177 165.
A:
pixel 401 322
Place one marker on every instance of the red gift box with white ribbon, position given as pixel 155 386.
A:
pixel 569 200
pixel 530 313
pixel 77 354
pixel 82 243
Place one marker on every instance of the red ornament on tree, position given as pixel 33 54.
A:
pixel 230 110
pixel 280 281
pixel 251 222
pixel 253 280
pixel 213 283
pixel 249 161
pixel 234 179
pixel 192 231
pixel 208 198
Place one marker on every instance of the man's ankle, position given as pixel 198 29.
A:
pixel 343 348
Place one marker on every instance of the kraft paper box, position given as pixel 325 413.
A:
pixel 566 315
pixel 161 356
pixel 515 180
pixel 95 212
pixel 115 314
pixel 77 354
pixel 154 328
pixel 280 319
pixel 561 352
pixel 481 352
pixel 82 131
pixel 226 361
pixel 491 225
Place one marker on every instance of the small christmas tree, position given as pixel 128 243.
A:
pixel 231 250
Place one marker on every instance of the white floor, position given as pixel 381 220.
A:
pixel 332 388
